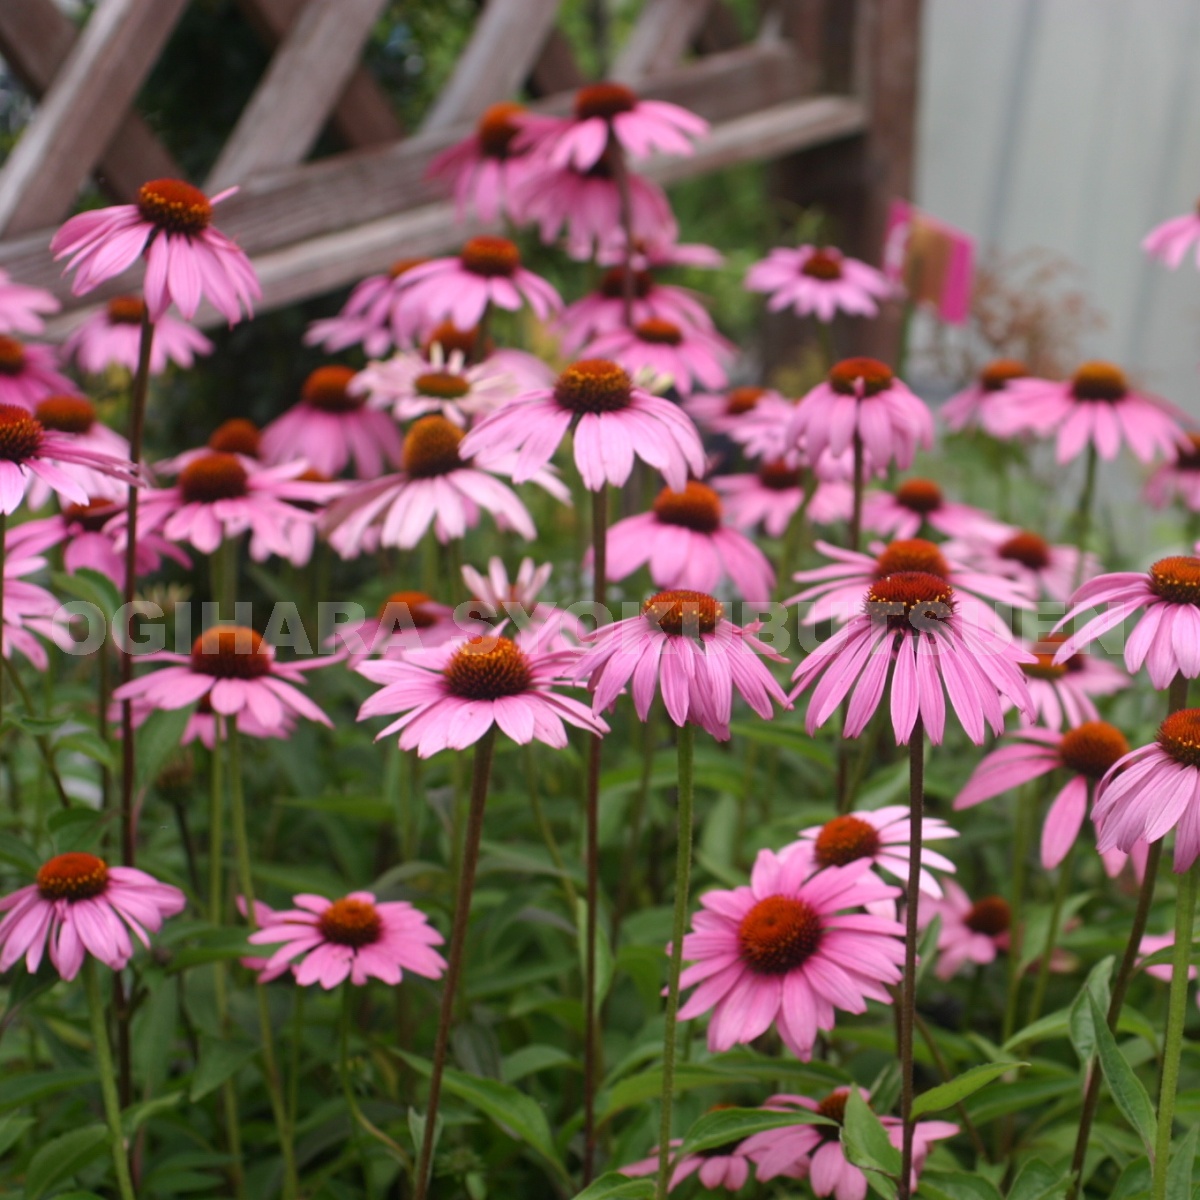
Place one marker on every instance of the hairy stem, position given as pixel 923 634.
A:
pixel 908 1003
pixel 108 1082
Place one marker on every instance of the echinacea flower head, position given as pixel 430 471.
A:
pixel 92 544
pixel 28 373
pixel 1062 691
pixel 686 543
pixel 818 281
pixel 22 307
pixel 1178 478
pixel 1096 407
pixel 29 609
pixel 971 931
pixel 774 494
pixel 187 257
pixel 111 337
pixel 450 696
pixel 1027 558
pixel 1154 789
pixel 331 427
pixel 861 397
pixel 486 271
pixel 29 453
pixel 911 629
pixel 1167 638
pixel 485 168
pixel 499 592
pixel 789 950
pixel 1170 241
pixel 1085 753
pixel 915 503
pixel 406 620
pixel 76 416
pixel 723 1167
pixel 689 356
pixel 234 669
pixel 724 412
pixel 378 315
pixel 987 395
pixel 80 905
pixel 613 421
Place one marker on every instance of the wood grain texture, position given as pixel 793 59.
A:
pixel 293 100
pixel 660 37
pixel 556 69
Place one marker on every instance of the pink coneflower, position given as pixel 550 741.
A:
pixel 436 487
pixel 1167 638
pixel 724 412
pixel 977 404
pixel 724 1167
pixel 815 1151
pixel 1154 789
pixel 1086 753
pixel 970 932
pixel 378 315
pixel 773 495
pixel 112 336
pixel 862 397
pixel 449 697
pixel 690 357
pixel 919 502
pixel 656 253
pixel 332 426
pixel 80 905
pixel 29 609
pixel 202 727
pixel 613 421
pixel 1178 478
pixel 487 271
pixel 1095 406
pixel 484 170
pixel 76 417
pixel 234 669
pixel 683 646
pixel 686 544
pixel 219 495
pixel 29 452
pixel 819 282
pixel 603 310
pixel 1151 944
pixel 912 618
pixel 22 307
pixel 786 951
pixel 1170 240
pixel 607 113
pixel 1062 691
pixel 238 435
pixel 405 621
pixel 1027 558
pixel 353 938
pixel 28 373
pixel 499 592
pixel 187 258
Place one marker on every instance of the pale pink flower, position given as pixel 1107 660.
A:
pixel 436 488
pixel 1085 753
pixel 485 169
pixel 720 1168
pixel 378 315
pixel 818 281
pixel 29 609
pixel 234 669
pixel 1178 478
pixel 237 435
pixel 773 495
pixel 919 502
pixel 690 357
pixel 202 727
pixel 187 258
pixel 450 696
pixel 610 113
pixel 1062 691
pixel 970 932
pixel 862 397
pixel 1151 944
pixel 28 373
pixel 92 544
pixel 613 421
pixel 1026 558
pixel 355 938
pixel 75 416
pixel 986 396
pixel 657 253
pixel 685 542
pixel 487 271
pixel 499 592
pixel 1170 240
pixel 681 645
pixel 22 307
pixel 332 427
pixel 406 621
pixel 1095 406
pixel 727 412
pixel 111 337
pixel 1152 790
pixel 911 630
pixel 1167 638
pixel 789 950
pixel 80 905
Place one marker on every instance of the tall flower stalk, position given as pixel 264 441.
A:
pixel 908 993
pixel 108 1082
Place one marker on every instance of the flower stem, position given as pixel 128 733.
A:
pixel 108 1082
pixel 620 174
pixel 856 511
pixel 683 870
pixel 908 1001
pixel 1185 916
pixel 458 937
pixel 1083 512
pixel 237 804
pixel 547 831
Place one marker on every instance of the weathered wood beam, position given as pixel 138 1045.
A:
pixel 363 115
pixel 556 69
pixel 505 44
pixel 82 109
pixel 659 39
pixel 292 102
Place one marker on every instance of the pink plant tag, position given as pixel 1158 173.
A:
pixel 933 261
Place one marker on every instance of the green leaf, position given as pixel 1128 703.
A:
pixel 217 945
pixel 1134 1183
pixel 17 1091
pixel 956 1185
pixel 1079 1019
pixel 59 1159
pixel 617 1187
pixel 12 1128
pixel 865 1140
pixel 1020 1096
pixel 946 1095
pixel 1038 1181
pixel 220 1058
pixel 138 1114
pixel 728 1125
pixel 1181 1167
pixel 88 743
pixel 529 1060
pixel 158 738
pixel 1166 956
pixel 19 854
pixel 1127 1089
pixel 76 828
